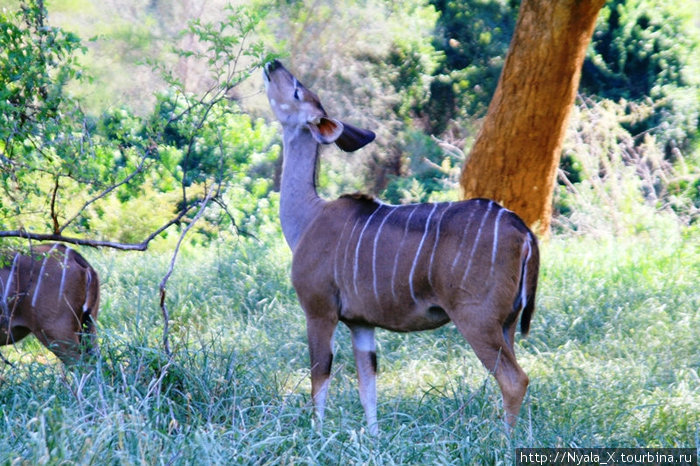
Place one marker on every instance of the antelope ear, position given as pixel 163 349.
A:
pixel 354 138
pixel 326 131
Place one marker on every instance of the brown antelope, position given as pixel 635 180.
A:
pixel 53 293
pixel 402 268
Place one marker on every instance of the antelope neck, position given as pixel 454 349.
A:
pixel 299 201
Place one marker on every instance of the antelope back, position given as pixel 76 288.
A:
pixel 54 293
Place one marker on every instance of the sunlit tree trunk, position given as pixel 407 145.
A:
pixel 515 156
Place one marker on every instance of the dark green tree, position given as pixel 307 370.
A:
pixel 473 36
pixel 642 52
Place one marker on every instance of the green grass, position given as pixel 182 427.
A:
pixel 613 358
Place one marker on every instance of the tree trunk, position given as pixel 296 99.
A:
pixel 515 156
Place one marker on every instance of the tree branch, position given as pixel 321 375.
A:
pixel 54 214
pixel 164 309
pixel 142 246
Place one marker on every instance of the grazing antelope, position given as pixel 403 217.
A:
pixel 402 268
pixel 53 293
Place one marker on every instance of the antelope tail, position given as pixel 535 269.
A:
pixel 528 283
pixel 92 301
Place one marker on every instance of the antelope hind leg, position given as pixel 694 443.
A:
pixel 62 336
pixel 488 342
pixel 364 349
pixel 65 346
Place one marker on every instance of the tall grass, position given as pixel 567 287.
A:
pixel 613 357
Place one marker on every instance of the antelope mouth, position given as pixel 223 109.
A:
pixel 270 67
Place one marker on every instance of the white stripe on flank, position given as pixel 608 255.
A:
pixel 464 238
pixel 420 246
pixel 63 274
pixel 398 250
pixel 336 259
pixel 357 248
pixel 437 238
pixel 374 253
pixel 495 240
pixel 41 275
pixel 476 241
pixel 347 245
pixel 8 285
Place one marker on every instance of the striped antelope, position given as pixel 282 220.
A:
pixel 53 293
pixel 402 268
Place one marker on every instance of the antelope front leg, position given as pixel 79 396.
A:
pixel 320 334
pixel 364 349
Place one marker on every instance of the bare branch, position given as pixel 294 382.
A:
pixel 164 309
pixel 54 214
pixel 142 246
pixel 220 202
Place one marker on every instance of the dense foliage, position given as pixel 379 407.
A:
pixel 644 53
pixel 117 174
pixel 420 76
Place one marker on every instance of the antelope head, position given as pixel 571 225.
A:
pixel 298 108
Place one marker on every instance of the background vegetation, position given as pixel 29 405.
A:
pixel 95 93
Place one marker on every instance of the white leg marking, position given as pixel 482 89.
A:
pixel 398 251
pixel 41 275
pixel 374 254
pixel 63 276
pixel 476 241
pixel 320 400
pixel 437 238
pixel 363 338
pixel 364 345
pixel 420 246
pixel 357 247
pixel 322 394
pixel 332 342
pixel 464 239
pixel 495 240
pixel 8 285
pixel 336 259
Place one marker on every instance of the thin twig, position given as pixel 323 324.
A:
pixel 54 214
pixel 163 307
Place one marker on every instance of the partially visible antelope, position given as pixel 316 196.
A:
pixel 402 268
pixel 53 293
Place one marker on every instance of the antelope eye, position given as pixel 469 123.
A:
pixel 296 93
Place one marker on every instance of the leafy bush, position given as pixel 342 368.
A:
pixel 429 171
pixel 613 183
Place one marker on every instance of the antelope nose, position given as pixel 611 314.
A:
pixel 272 66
